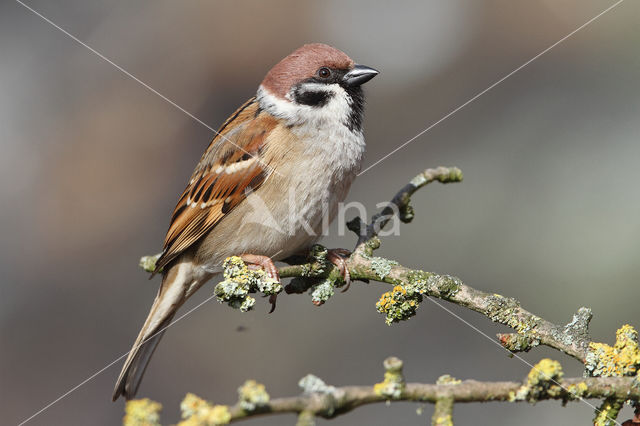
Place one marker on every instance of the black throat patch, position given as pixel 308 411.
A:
pixel 356 114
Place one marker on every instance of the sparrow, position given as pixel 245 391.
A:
pixel 277 166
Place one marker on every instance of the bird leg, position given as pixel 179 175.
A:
pixel 337 256
pixel 256 261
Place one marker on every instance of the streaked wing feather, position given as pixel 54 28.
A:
pixel 229 168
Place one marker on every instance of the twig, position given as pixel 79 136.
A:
pixel 410 286
pixel 350 397
pixel 572 339
pixel 320 400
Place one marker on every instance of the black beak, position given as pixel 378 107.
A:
pixel 360 74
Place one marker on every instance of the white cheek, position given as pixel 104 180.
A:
pixel 323 129
pixel 334 113
pixel 338 107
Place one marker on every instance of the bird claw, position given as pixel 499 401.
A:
pixel 255 261
pixel 272 300
pixel 337 258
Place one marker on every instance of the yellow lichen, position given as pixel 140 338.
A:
pixel 621 359
pixel 607 413
pixel 198 412
pixel 542 380
pixel 252 395
pixel 306 418
pixel 379 388
pixel 148 263
pixel 389 298
pixel 234 267
pixel 239 281
pixel 400 303
pixel 393 384
pixel 446 379
pixel 142 412
pixel 577 390
pixel 544 371
pixel 400 289
pixel 442 421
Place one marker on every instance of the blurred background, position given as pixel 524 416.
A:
pixel 92 164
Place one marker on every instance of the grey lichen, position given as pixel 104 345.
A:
pixel 382 266
pixel 515 342
pixel 419 180
pixel 576 332
pixel 579 324
pixel 320 293
pixel 501 309
pixel 369 246
pixel 239 281
pixel 446 285
pixel 314 384
pixel 246 305
pixel 318 261
pixel 418 277
pixel 148 263
pixel 505 310
pixel 441 174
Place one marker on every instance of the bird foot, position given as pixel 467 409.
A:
pixel 337 257
pixel 256 261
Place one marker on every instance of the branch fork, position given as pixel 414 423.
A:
pixel 611 372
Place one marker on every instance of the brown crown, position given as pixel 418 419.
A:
pixel 302 64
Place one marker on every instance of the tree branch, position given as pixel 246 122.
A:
pixel 572 339
pixel 616 366
pixel 351 397
pixel 321 400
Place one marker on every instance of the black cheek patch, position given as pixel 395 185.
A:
pixel 312 98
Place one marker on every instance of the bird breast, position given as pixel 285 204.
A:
pixel 298 200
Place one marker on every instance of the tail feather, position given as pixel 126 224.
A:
pixel 176 286
pixel 137 362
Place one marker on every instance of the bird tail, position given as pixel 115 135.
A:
pixel 177 285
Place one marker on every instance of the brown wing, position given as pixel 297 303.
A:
pixel 230 167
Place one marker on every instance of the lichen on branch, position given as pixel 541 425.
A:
pixel 544 382
pixel 239 281
pixel 614 368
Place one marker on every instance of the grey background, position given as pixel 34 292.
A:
pixel 92 164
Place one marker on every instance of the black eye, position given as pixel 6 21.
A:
pixel 324 72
